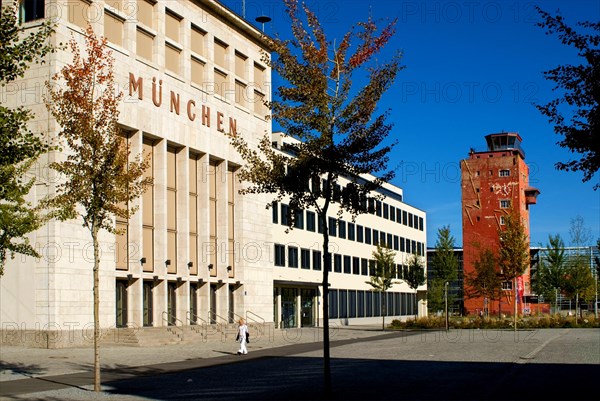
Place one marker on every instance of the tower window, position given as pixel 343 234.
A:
pixel 31 10
pixel 504 173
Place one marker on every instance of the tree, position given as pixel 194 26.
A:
pixel 485 280
pixel 576 113
pixel 579 282
pixel 550 274
pixel 414 272
pixel 514 253
pixel 19 47
pixel 444 265
pixel 579 233
pixel 383 275
pixel 100 179
pixel 337 133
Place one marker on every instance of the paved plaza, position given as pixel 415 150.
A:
pixel 366 364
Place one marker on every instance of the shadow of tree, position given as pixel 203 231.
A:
pixel 22 368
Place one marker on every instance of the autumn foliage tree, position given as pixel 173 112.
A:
pixel 575 114
pixel 338 130
pixel 513 254
pixel 100 179
pixel 20 147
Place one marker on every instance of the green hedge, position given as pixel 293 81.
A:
pixel 473 322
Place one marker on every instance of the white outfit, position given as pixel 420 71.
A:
pixel 243 329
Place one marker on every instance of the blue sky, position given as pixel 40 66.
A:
pixel 472 68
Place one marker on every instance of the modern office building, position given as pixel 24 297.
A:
pixel 494 182
pixel 196 252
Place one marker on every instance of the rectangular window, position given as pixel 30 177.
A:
pixel 220 58
pixel 285 214
pixel 347 264
pixel 259 78
pixel 399 216
pixel 241 95
pixel 332 227
pixel 172 55
pixel 197 40
pixel 316 258
pixel 342 229
pixel 343 305
pixel 352 303
pixel 337 263
pixel 333 304
pixel 410 220
pixel 375 237
pixel 372 265
pixel 396 243
pixel 402 248
pixel 113 28
pixel 275 210
pixel 145 12
pixel 292 256
pixel 147 209
pixel 355 265
pixel 213 205
pixel 386 211
pixel 404 217
pixel 351 231
pixel 221 84
pixel 78 12
pixel 507 285
pixel 279 255
pixel 420 224
pixel 240 65
pixel 369 304
pixel 360 304
pixel 367 236
pixel 259 104
pixel 193 165
pixel 378 208
pixel 310 221
pixel 299 219
pixel 392 213
pixel 172 24
pixel 388 241
pixel 172 209
pixel 231 191
pixel 198 71
pixel 364 267
pixel 31 10
pixel 504 173
pixel 144 44
pixel 505 203
pixel 359 233
pixel 305 258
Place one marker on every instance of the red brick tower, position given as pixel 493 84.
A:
pixel 494 182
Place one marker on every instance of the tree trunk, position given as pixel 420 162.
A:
pixel 97 386
pixel 384 311
pixel 515 300
pixel 326 266
pixel 576 308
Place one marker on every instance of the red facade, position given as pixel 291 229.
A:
pixel 494 182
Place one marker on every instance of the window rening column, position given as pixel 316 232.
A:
pixel 193 216
pixel 231 222
pixel 212 211
pixel 122 227
pixel 148 210
pixel 172 209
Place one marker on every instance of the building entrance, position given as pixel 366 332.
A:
pixel 307 307
pixel 121 303
pixel 288 307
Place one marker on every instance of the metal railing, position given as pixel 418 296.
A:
pixel 170 322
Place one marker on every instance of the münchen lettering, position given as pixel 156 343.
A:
pixel 136 85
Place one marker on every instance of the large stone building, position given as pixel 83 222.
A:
pixel 196 251
pixel 494 182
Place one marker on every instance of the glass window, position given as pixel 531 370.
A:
pixel 355 265
pixel 279 255
pixel 275 210
pixel 305 258
pixel 364 267
pixel 285 214
pixel 367 236
pixel 359 233
pixel 342 229
pixel 337 263
pixel 292 256
pixel 351 231
pixel 317 258
pixel 310 221
pixel 347 264
pixel 332 227
pixel 30 10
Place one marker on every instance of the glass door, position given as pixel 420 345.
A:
pixel 121 303
pixel 171 303
pixel 148 303
pixel 288 307
pixel 307 301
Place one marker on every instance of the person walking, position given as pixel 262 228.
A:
pixel 242 337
